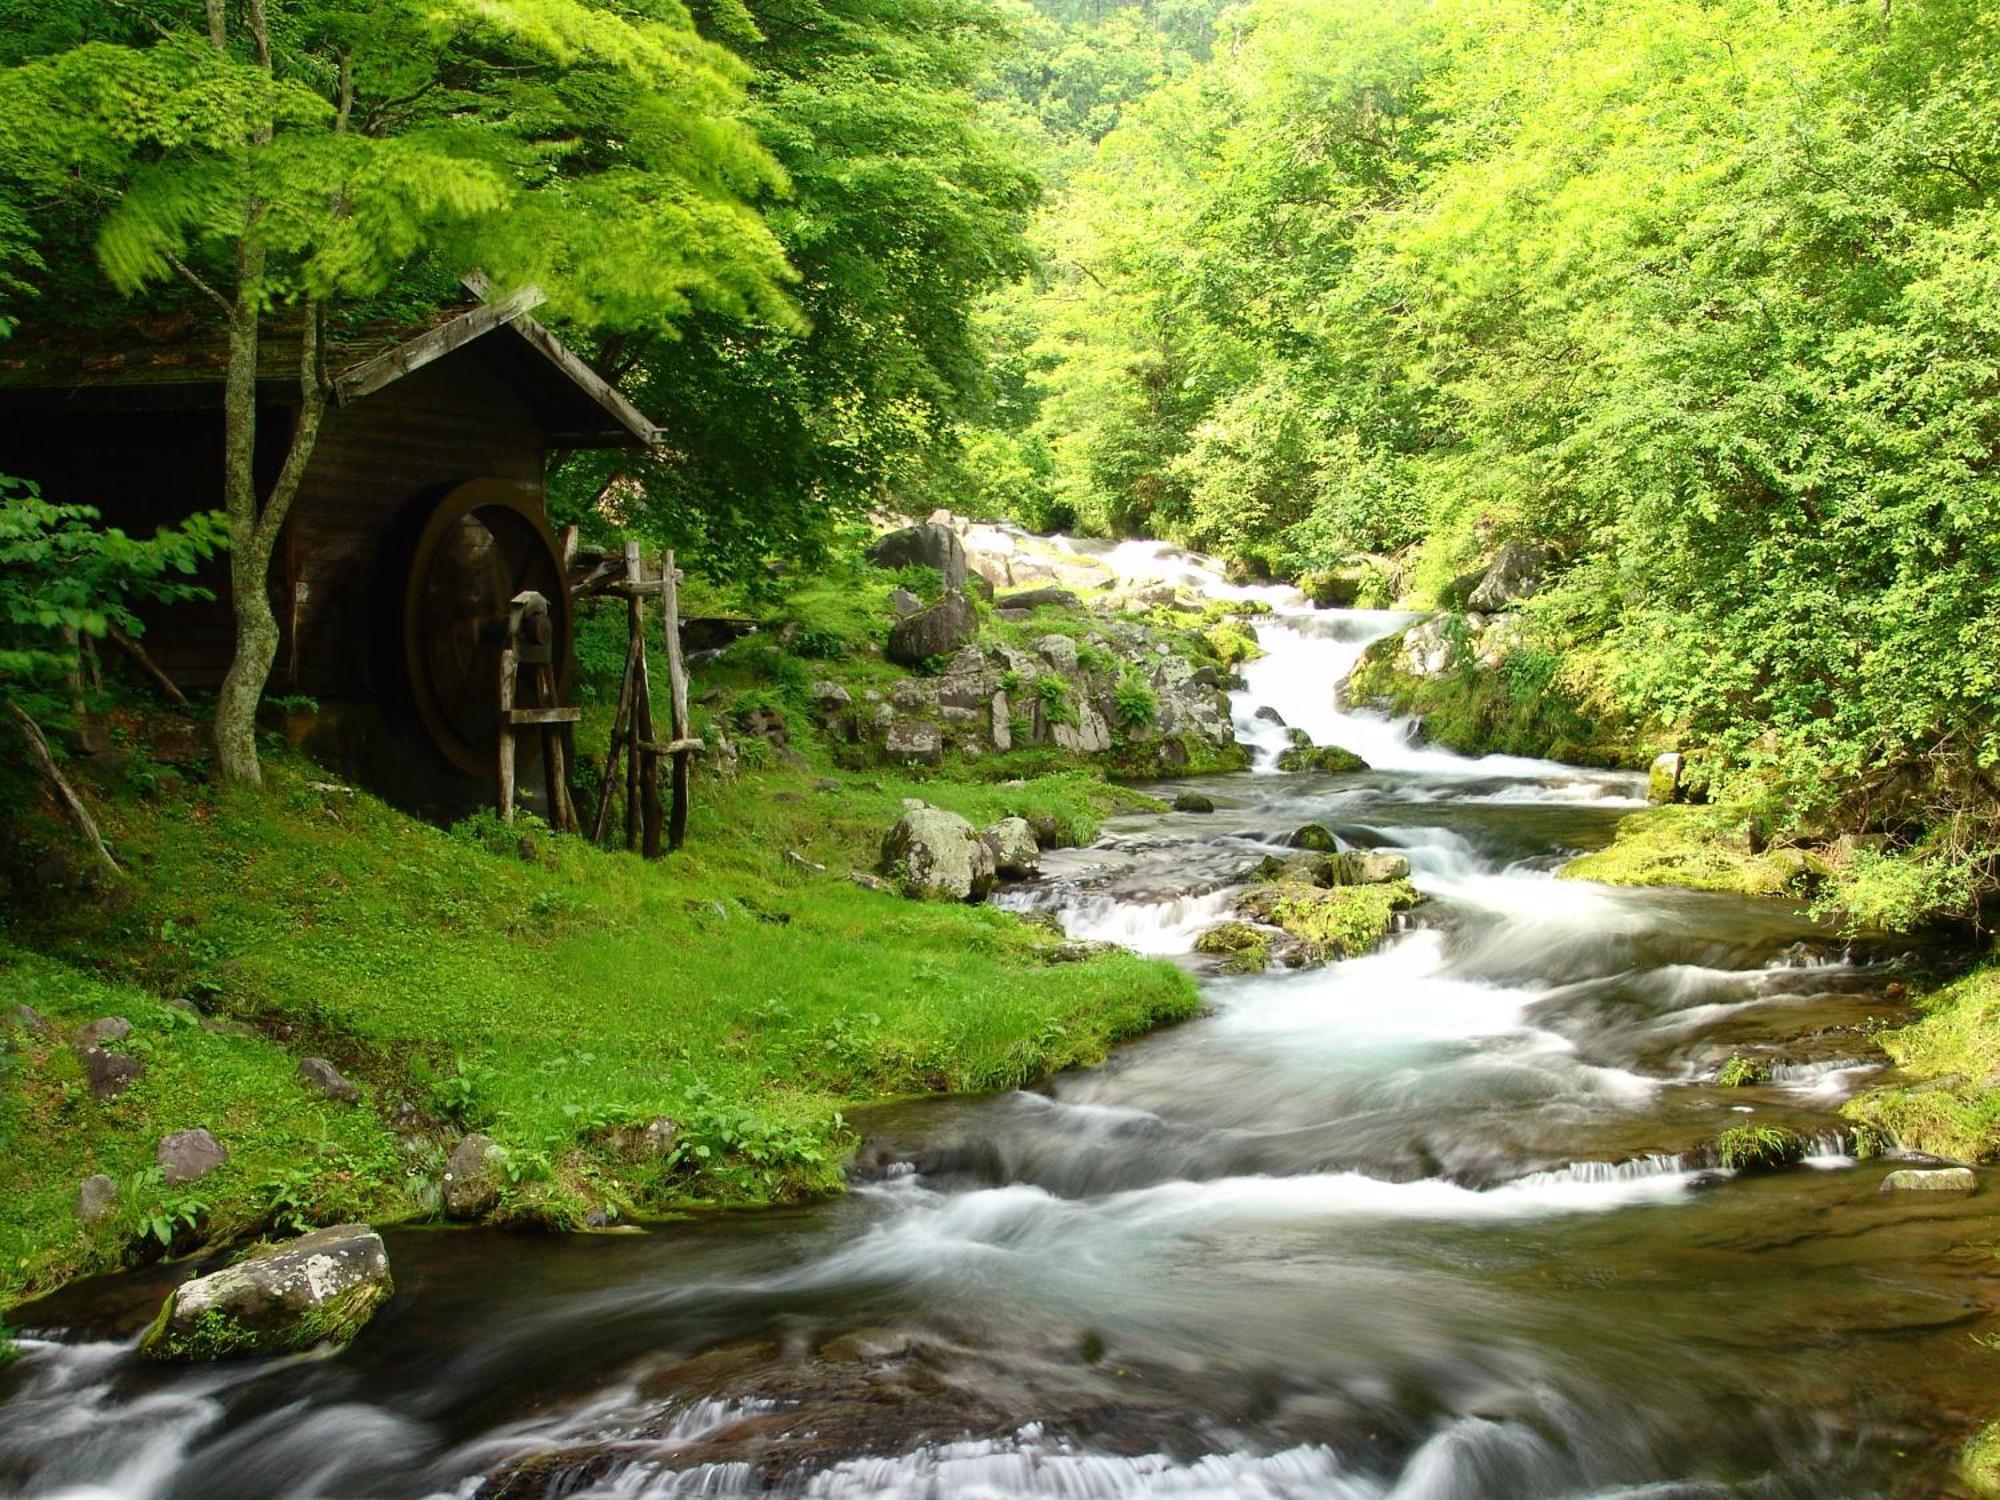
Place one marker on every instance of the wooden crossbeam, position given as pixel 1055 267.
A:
pixel 519 716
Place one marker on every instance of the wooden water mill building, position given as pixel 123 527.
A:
pixel 421 517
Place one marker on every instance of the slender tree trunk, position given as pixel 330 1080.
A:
pixel 254 533
pixel 254 529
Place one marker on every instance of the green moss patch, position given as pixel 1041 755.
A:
pixel 1343 922
pixel 1944 1096
pixel 1701 848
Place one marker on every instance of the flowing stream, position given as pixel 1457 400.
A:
pixel 1419 1226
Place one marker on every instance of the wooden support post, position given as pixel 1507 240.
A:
pixel 644 750
pixel 508 667
pixel 677 699
pixel 619 729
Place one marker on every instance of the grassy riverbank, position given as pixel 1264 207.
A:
pixel 551 995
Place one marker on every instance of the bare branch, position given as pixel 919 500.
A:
pixel 198 284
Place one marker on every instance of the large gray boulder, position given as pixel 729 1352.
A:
pixel 937 631
pixel 188 1156
pixel 938 856
pixel 1516 572
pixel 321 1288
pixel 472 1177
pixel 1015 852
pixel 926 546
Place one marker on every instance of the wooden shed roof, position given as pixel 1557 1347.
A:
pixel 179 359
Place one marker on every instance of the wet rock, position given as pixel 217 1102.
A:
pixel 1041 598
pixel 472 1178
pixel 1374 867
pixel 110 1073
pixel 1316 837
pixel 937 631
pixel 1244 948
pixel 937 855
pixel 1516 573
pixel 1194 802
pixel 915 742
pixel 322 1075
pixel 189 1156
pixel 1328 758
pixel 1935 1180
pixel 104 1029
pixel 321 1288
pixel 1663 778
pixel 927 546
pixel 96 1199
pixel 1051 832
pixel 903 603
pixel 1427 649
pixel 1016 855
pixel 1269 715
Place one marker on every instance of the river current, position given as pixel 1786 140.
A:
pixel 1424 1225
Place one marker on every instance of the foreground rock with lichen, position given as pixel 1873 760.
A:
pixel 321 1288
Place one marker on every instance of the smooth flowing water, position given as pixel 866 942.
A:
pixel 1418 1226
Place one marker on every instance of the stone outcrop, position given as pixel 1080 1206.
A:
pixel 927 546
pixel 1935 1180
pixel 937 631
pixel 319 1289
pixel 936 855
pixel 1517 571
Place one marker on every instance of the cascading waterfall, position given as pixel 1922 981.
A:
pixel 1422 1225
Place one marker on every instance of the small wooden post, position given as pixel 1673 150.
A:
pixel 677 698
pixel 509 665
pixel 619 721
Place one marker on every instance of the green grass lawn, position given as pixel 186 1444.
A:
pixel 545 1000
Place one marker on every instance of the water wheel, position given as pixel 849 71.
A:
pixel 479 547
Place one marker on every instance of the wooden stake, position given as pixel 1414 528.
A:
pixel 677 699
pixel 618 734
pixel 72 804
pixel 644 750
pixel 507 670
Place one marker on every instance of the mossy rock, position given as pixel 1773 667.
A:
pixel 1742 1072
pixel 1757 1148
pixel 1328 758
pixel 1340 922
pixel 1979 1463
pixel 1316 837
pixel 321 1288
pixel 1244 949
pixel 1701 848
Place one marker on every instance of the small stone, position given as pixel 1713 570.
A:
pixel 328 1079
pixel 1059 651
pixel 189 1156
pixel 1079 950
pixel 110 1073
pixel 915 742
pixel 472 1177
pixel 869 882
pixel 1935 1180
pixel 104 1029
pixel 96 1199
pixel 27 1018
pixel 1194 802
pixel 1316 837
pixel 829 696
pixel 659 1136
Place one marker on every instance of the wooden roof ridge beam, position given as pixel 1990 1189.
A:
pixel 607 396
pixel 385 369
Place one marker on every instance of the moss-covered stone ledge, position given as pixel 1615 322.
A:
pixel 1701 848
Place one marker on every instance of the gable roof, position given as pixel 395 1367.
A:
pixel 177 359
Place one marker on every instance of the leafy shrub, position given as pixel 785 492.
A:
pixel 1137 705
pixel 1054 694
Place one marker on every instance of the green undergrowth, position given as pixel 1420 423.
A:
pixel 1944 1095
pixel 525 985
pixel 1700 847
